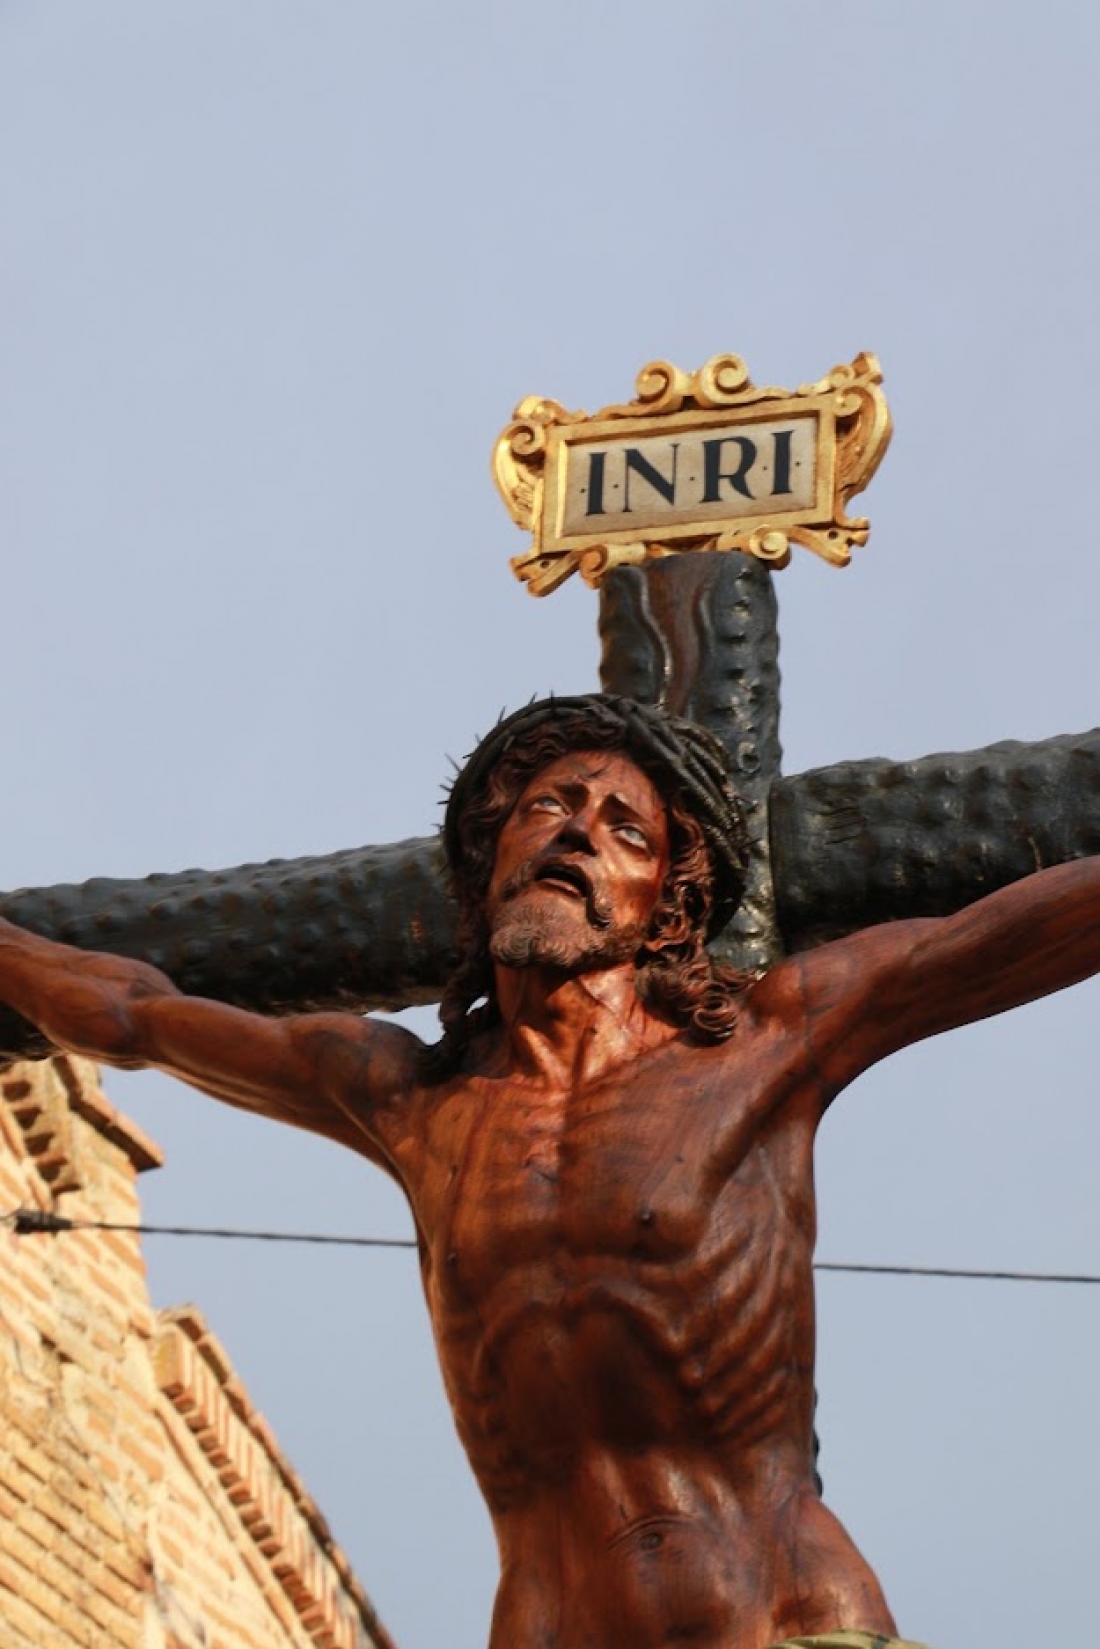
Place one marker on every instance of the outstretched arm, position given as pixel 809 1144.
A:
pixel 332 1073
pixel 864 997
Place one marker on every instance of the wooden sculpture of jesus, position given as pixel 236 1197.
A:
pixel 609 1161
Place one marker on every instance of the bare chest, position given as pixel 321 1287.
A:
pixel 648 1169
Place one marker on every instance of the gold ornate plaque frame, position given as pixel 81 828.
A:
pixel 715 464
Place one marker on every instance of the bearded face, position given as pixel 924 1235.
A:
pixel 579 867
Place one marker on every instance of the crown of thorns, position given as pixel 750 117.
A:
pixel 687 756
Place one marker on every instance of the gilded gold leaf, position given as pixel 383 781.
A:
pixel 794 446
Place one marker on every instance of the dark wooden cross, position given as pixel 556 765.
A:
pixel 835 849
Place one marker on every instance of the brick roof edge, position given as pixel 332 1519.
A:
pixel 80 1078
pixel 188 1322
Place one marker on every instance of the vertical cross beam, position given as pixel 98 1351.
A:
pixel 697 634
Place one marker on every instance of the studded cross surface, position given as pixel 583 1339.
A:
pixel 833 850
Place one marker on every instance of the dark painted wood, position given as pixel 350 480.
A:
pixel 697 635
pixel 373 927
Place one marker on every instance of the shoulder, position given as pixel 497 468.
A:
pixel 776 997
pixel 842 975
pixel 354 1059
pixel 849 1003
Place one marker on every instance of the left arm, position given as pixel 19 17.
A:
pixel 866 996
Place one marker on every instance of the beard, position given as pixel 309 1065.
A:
pixel 569 935
pixel 523 937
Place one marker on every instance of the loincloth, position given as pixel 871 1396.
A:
pixel 848 1640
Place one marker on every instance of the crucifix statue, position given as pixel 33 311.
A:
pixel 658 964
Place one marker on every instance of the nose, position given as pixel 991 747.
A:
pixel 575 835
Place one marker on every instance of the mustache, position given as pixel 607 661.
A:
pixel 597 907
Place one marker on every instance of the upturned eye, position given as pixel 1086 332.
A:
pixel 545 804
pixel 632 834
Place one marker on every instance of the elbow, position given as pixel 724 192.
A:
pixel 111 1036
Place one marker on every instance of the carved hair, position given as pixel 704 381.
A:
pixel 676 975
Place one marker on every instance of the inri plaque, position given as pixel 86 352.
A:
pixel 698 461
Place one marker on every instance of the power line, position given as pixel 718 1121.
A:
pixel 34 1221
pixel 959 1271
pixel 30 1221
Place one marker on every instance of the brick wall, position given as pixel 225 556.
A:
pixel 143 1502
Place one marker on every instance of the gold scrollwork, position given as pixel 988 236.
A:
pixel 520 454
pixel 661 387
pixel 720 381
pixel 859 428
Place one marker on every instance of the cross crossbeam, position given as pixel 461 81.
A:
pixel 835 849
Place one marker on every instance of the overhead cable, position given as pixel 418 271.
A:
pixel 27 1222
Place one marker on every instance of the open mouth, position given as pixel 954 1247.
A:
pixel 569 878
pixel 564 877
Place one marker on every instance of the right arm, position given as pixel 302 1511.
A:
pixel 860 998
pixel 331 1073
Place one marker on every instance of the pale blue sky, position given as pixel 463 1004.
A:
pixel 273 277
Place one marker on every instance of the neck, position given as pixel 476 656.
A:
pixel 567 1029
